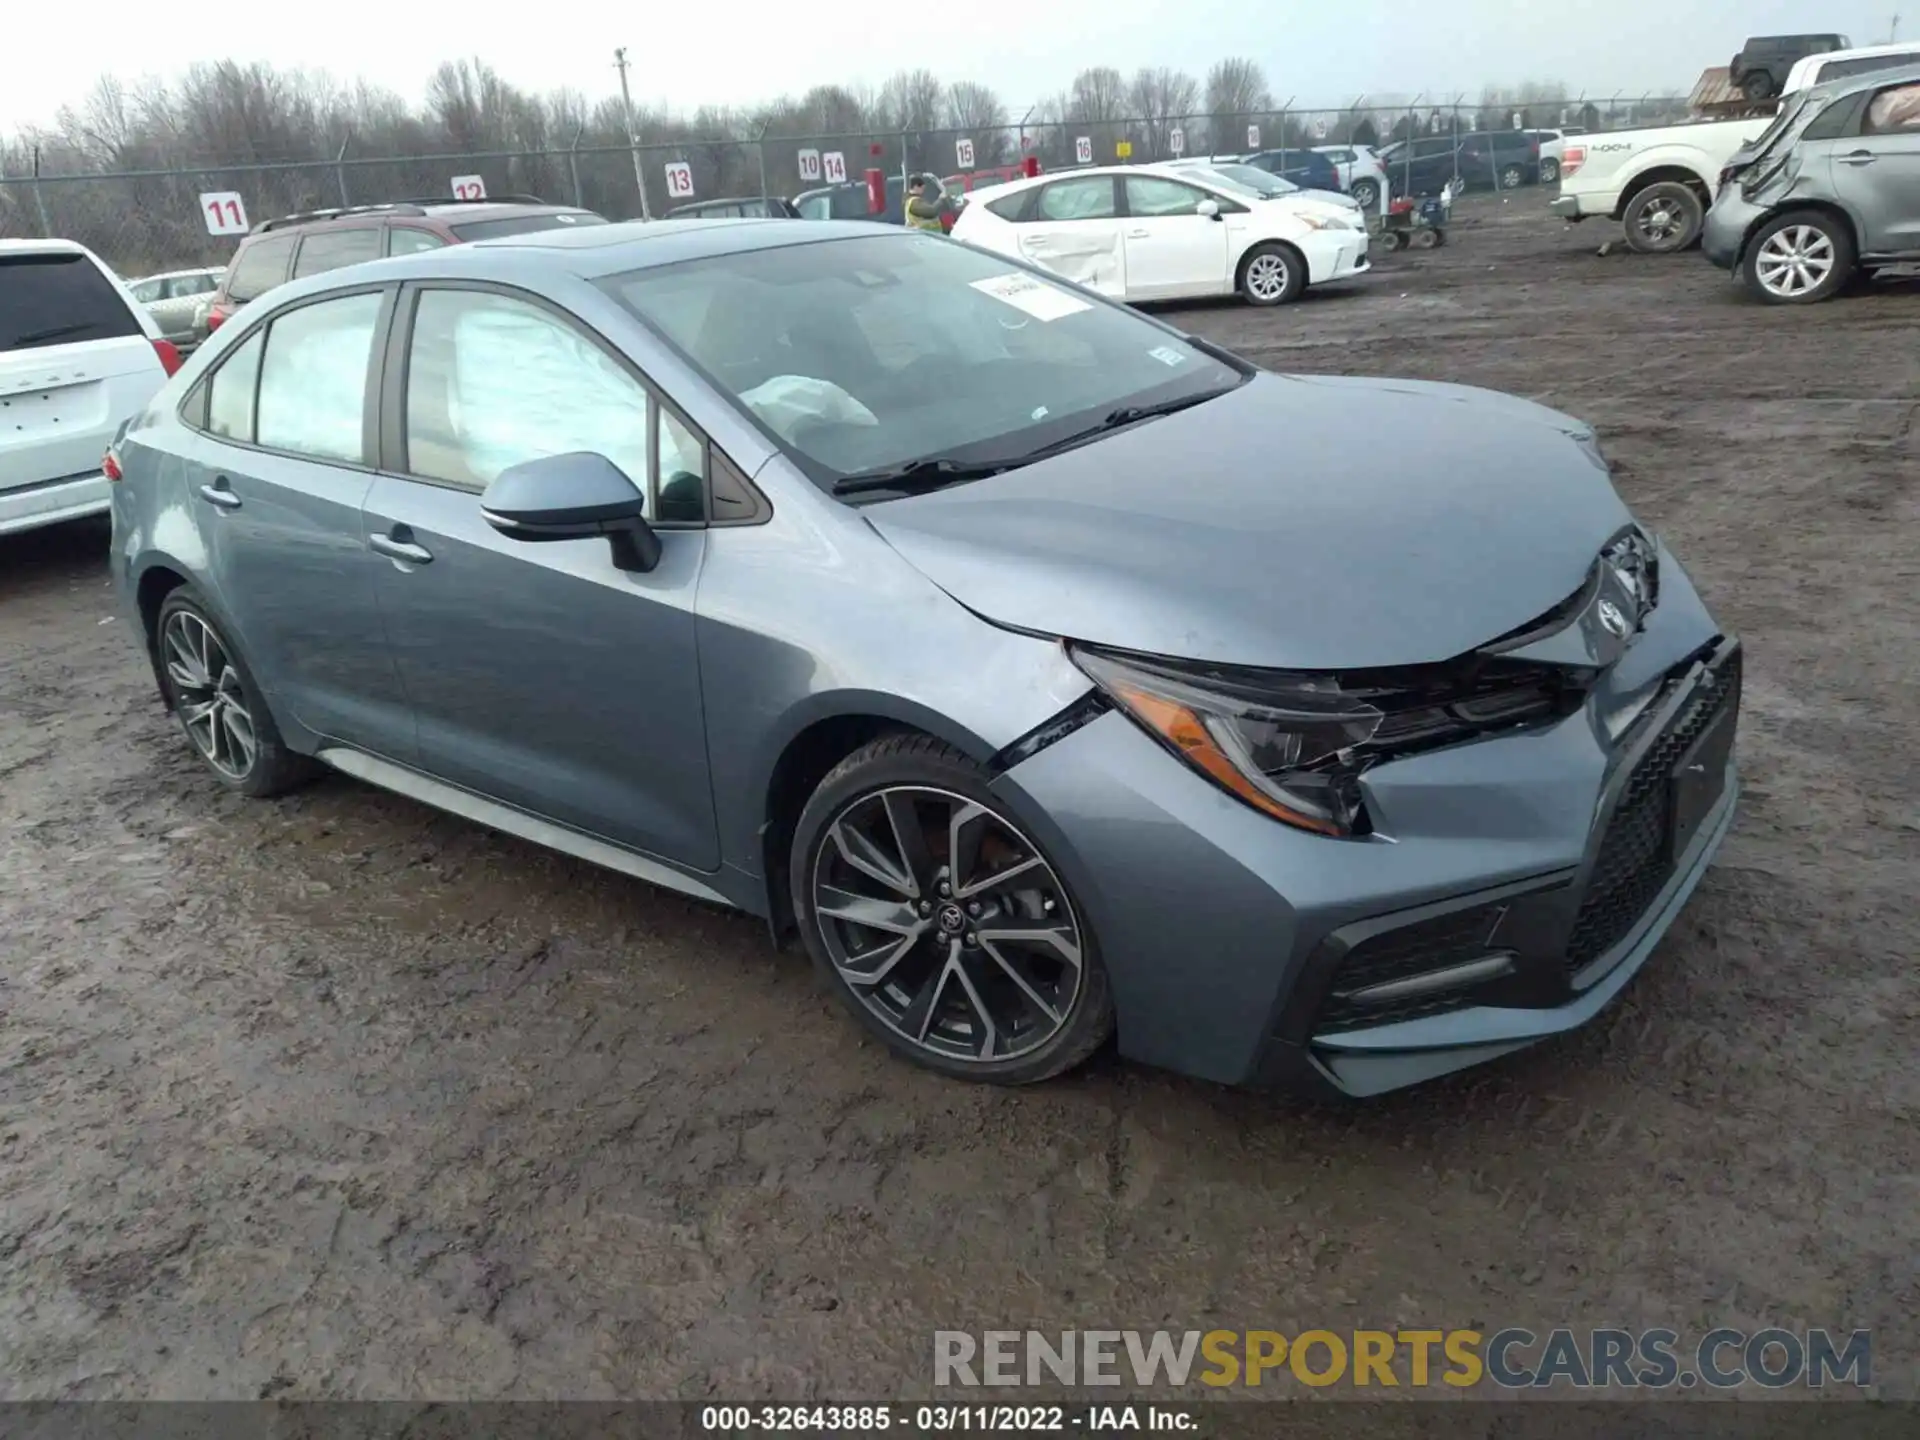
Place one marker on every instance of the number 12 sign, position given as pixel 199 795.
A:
pixel 224 211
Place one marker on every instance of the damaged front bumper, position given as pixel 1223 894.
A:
pixel 1514 887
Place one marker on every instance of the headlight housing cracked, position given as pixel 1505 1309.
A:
pixel 1294 745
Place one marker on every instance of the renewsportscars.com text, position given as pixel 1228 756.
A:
pixel 1509 1359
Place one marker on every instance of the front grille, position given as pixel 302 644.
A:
pixel 1636 855
pixel 1398 954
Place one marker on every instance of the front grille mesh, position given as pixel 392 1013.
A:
pixel 1450 939
pixel 1636 858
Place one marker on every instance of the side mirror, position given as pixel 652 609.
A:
pixel 1208 208
pixel 573 497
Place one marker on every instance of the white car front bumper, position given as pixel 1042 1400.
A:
pixel 1335 255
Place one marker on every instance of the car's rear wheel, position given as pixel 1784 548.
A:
pixel 1663 218
pixel 1549 172
pixel 1366 193
pixel 940 922
pixel 1799 258
pixel 211 693
pixel 1272 274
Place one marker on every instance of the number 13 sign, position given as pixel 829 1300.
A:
pixel 679 180
pixel 224 211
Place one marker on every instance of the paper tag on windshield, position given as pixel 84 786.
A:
pixel 1036 297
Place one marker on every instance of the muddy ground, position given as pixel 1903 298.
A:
pixel 338 1096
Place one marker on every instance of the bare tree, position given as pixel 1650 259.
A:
pixel 1160 98
pixel 913 101
pixel 974 112
pixel 1237 96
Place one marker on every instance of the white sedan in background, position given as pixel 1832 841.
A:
pixel 1145 232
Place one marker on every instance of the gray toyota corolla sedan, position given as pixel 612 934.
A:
pixel 1054 674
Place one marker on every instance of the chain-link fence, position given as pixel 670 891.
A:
pixel 143 221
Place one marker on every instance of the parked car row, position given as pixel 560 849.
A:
pixel 1658 182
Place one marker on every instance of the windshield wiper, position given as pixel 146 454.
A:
pixel 52 332
pixel 1126 415
pixel 928 473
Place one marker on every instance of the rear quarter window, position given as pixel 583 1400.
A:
pixel 259 267
pixel 58 299
pixel 326 250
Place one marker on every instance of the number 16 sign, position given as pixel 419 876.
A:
pixel 224 211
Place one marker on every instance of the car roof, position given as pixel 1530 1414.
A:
pixel 43 247
pixel 1871 80
pixel 1800 76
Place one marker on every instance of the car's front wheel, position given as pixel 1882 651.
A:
pixel 1512 178
pixel 1272 274
pixel 940 922
pixel 214 698
pixel 1799 258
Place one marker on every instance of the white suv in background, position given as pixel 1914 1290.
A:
pixel 1362 172
pixel 78 358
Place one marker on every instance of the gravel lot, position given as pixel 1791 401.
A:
pixel 335 1096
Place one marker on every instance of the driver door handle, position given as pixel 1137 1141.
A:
pixel 394 547
pixel 1137 234
pixel 1858 157
pixel 220 493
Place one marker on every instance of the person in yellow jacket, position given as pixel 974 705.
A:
pixel 926 204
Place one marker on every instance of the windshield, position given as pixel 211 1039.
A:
pixel 1249 180
pixel 874 352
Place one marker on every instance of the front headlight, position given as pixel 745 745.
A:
pixel 1283 745
pixel 1315 222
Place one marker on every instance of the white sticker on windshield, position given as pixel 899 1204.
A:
pixel 1035 297
pixel 1167 355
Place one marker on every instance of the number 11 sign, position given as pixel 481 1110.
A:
pixel 224 211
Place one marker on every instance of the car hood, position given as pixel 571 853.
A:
pixel 1317 203
pixel 1296 523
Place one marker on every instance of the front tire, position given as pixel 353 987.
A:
pixel 1664 218
pixel 1800 258
pixel 212 694
pixel 1756 86
pixel 1272 274
pixel 940 923
pixel 1512 178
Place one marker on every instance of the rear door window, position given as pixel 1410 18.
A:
pixel 1088 199
pixel 325 250
pixel 58 299
pixel 260 266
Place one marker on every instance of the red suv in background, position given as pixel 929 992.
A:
pixel 295 246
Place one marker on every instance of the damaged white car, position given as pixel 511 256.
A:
pixel 1145 232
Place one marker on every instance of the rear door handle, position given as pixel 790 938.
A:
pixel 1858 157
pixel 397 547
pixel 1136 234
pixel 220 493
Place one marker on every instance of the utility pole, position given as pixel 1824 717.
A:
pixel 633 137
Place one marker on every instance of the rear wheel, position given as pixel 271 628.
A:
pixel 940 922
pixel 211 693
pixel 1799 258
pixel 1272 274
pixel 1664 218
pixel 1424 239
pixel 1549 172
pixel 1366 193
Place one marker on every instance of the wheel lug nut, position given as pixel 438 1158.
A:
pixel 973 908
pixel 926 907
pixel 972 939
pixel 945 889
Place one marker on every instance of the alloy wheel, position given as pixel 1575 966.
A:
pixel 948 924
pixel 1366 193
pixel 1267 277
pixel 209 696
pixel 1660 221
pixel 1794 260
pixel 1511 177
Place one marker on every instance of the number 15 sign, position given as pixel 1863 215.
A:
pixel 224 211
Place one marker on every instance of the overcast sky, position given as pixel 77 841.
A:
pixel 690 54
